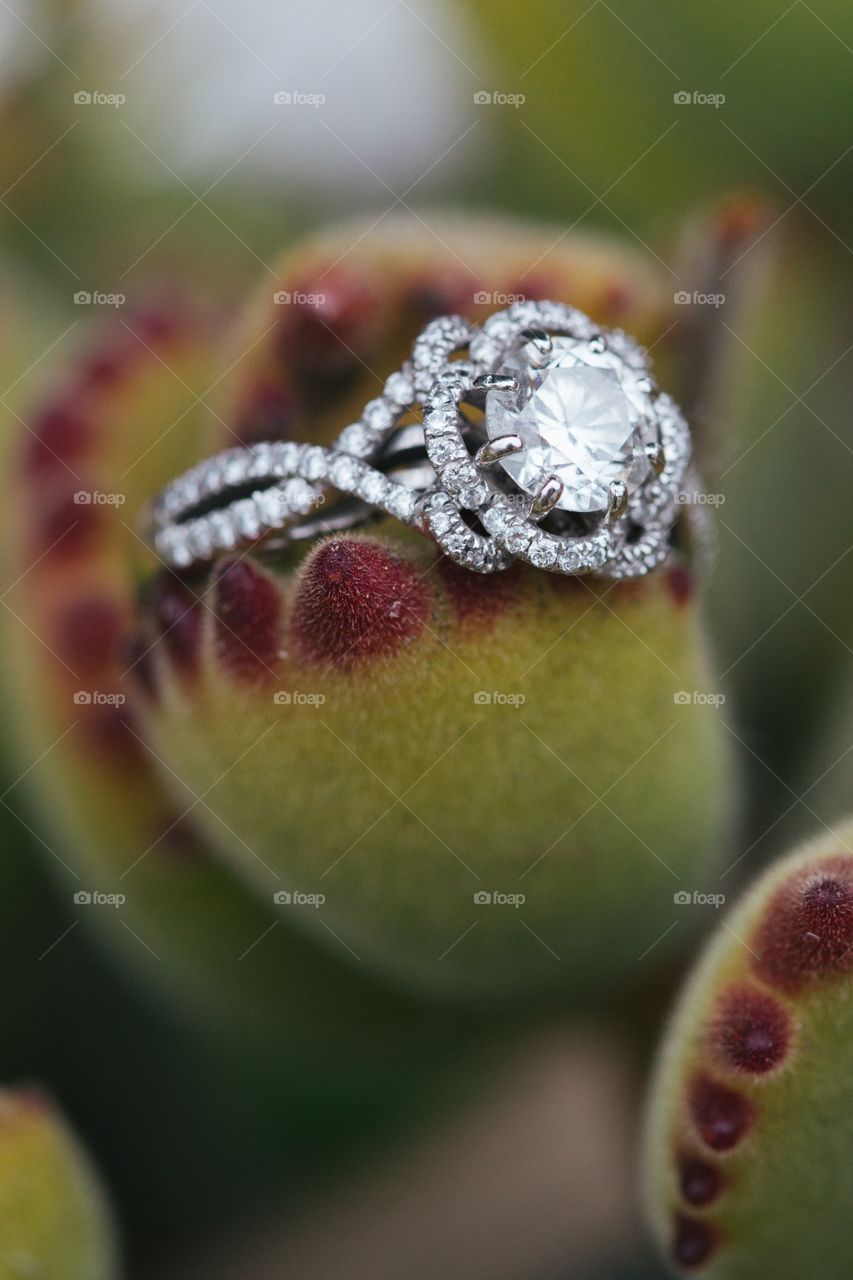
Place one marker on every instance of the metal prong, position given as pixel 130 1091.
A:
pixel 493 450
pixel 656 456
pixel 496 382
pixel 547 497
pixel 597 345
pixel 539 339
pixel 617 492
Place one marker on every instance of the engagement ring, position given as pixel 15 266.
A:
pixel 537 436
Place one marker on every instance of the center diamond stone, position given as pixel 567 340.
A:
pixel 578 421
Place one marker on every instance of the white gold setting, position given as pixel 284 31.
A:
pixel 543 439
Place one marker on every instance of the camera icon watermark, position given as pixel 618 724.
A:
pixel 298 98
pixel 96 98
pixel 294 898
pixel 495 298
pixel 94 698
pixel 97 498
pixel 684 898
pixel 696 98
pixel 496 698
pixel 296 698
pixel 495 898
pixel 498 98
pixel 86 298
pixel 689 497
pixel 696 698
pixel 286 298
pixel 695 298
pixel 94 898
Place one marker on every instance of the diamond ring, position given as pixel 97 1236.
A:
pixel 537 437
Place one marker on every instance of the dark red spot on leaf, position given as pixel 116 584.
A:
pixel 139 659
pixel 807 927
pixel 64 525
pixel 699 1182
pixel 58 437
pixel 357 601
pixel 267 414
pixel 329 320
pixel 536 287
pixel 694 1241
pixel 442 293
pixel 616 299
pixel 159 324
pixel 106 367
pixel 87 633
pixel 478 599
pixel 740 217
pixel 177 611
pixel 722 1116
pixel 110 731
pixel 26 1103
pixel 680 583
pixel 36 1099
pixel 750 1032
pixel 247 608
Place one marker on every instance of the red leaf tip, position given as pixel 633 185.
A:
pixel 694 1240
pixel 699 1182
pixel 356 601
pixel 806 931
pixel 751 1032
pixel 247 611
pixel 722 1117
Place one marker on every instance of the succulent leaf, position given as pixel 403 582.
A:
pixel 747 1150
pixel 54 1221
pixel 441 736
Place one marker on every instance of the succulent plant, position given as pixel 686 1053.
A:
pixel 54 1220
pixel 365 787
pixel 375 676
pixel 348 843
pixel 748 1138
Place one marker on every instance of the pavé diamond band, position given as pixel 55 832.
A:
pixel 537 436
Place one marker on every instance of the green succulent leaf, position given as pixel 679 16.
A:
pixel 475 785
pixel 54 1221
pixel 747 1152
